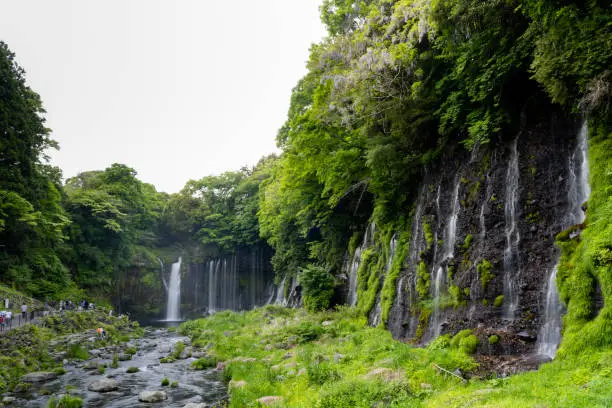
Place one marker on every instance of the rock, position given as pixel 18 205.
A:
pixel 152 396
pixel 384 373
pixel 327 323
pixel 40 376
pixel 525 336
pixel 270 400
pixel 426 386
pixel 288 356
pixel 244 359
pixel 124 357
pixel 220 366
pixel 268 347
pixel 21 388
pixel 103 385
pixel 195 405
pixel 291 365
pixel 91 365
pixel 186 353
pixel 227 333
pixel 237 384
pixel 8 400
pixel 338 357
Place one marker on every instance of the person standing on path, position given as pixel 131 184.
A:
pixel 9 319
pixel 24 312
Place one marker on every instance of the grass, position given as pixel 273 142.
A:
pixel 290 353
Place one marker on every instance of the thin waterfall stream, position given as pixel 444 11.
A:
pixel 513 238
pixel 578 192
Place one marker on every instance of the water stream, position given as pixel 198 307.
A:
pixel 193 386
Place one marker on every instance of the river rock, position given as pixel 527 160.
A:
pixel 270 400
pixel 152 396
pixel 8 400
pixel 103 385
pixel 195 405
pixel 237 384
pixel 40 376
pixel 124 357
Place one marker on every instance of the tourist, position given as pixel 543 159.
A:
pixel 101 332
pixel 9 319
pixel 24 312
pixel 2 320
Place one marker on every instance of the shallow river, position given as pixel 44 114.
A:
pixel 193 386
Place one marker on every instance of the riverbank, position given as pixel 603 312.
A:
pixel 290 358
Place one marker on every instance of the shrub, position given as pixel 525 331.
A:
pixel 465 341
pixel 165 382
pixel 78 352
pixel 132 370
pixel 67 401
pixel 423 280
pixel 204 363
pixel 174 384
pixel 494 339
pixel 317 287
pixel 306 332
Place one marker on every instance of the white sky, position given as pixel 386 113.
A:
pixel 175 89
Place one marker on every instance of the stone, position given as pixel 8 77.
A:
pixel 238 384
pixel 195 405
pixel 288 356
pixel 40 376
pixel 338 357
pixel 327 323
pixel 384 373
pixel 8 400
pixel 268 347
pixel 103 385
pixel 124 357
pixel 152 396
pixel 426 386
pixel 227 333
pixel 270 400
pixel 220 366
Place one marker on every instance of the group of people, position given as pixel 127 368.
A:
pixel 6 316
pixel 70 305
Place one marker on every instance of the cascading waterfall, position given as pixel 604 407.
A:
pixel 513 238
pixel 280 294
pixel 223 285
pixel 441 270
pixel 368 238
pixel 174 293
pixel 578 192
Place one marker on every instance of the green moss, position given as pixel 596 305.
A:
pixel 368 280
pixel 484 269
pixel 467 243
pixel 388 292
pixel 428 234
pixel 423 322
pixel 67 401
pixel 585 261
pixel 174 384
pixel 423 280
pixel 499 301
pixel 494 339
pixel 204 363
pixel 132 370
pixel 165 382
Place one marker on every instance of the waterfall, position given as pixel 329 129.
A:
pixel 441 268
pixel 280 294
pixel 368 239
pixel 511 255
pixel 578 192
pixel 174 293
pixel 212 287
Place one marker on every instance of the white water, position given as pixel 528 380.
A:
pixel 223 285
pixel 368 239
pixel 173 312
pixel 441 268
pixel 578 192
pixel 280 294
pixel 511 255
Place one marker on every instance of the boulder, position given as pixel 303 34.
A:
pixel 40 376
pixel 195 405
pixel 237 384
pixel 384 373
pixel 8 400
pixel 152 396
pixel 103 385
pixel 270 400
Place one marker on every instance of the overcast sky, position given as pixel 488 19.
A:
pixel 176 89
